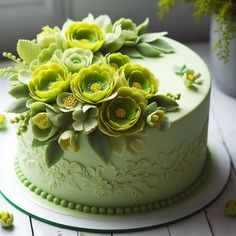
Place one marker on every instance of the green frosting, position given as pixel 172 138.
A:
pixel 154 206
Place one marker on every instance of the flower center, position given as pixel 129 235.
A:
pixel 95 87
pixel 70 101
pixel 120 113
pixel 155 119
pixel 190 77
pixel 76 61
pixel 43 120
pixel 84 41
pixel 5 216
pixel 114 65
pixel 65 143
pixel 137 85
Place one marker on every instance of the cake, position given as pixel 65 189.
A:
pixel 112 120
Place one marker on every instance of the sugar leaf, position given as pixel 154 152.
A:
pixel 53 153
pixel 27 50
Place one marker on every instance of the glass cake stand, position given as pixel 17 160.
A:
pixel 31 204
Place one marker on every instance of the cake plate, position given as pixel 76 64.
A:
pixel 31 204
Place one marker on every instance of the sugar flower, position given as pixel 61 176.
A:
pixel 85 35
pixel 69 141
pixel 6 219
pixel 42 127
pixel 124 114
pixel 140 78
pixel 68 102
pixel 95 84
pixel 117 60
pixel 85 118
pixel 3 122
pixel 48 81
pixel 74 58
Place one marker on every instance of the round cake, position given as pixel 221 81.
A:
pixel 123 170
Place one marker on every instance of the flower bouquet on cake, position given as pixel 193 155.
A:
pixel 79 80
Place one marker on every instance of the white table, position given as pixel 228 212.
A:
pixel 209 222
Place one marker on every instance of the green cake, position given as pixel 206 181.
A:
pixel 112 120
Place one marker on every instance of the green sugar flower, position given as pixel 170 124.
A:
pixel 123 115
pixel 129 31
pixel 85 118
pixel 117 60
pixel 76 58
pixel 95 84
pixel 6 219
pixel 191 77
pixel 103 21
pixel 114 40
pixel 230 208
pixel 68 102
pixel 69 141
pixel 3 122
pixel 155 118
pixel 140 78
pixel 85 35
pixel 73 58
pixel 42 127
pixel 49 36
pixel 48 81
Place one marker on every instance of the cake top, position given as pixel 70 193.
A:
pixel 101 79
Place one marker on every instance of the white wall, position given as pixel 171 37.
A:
pixel 24 18
pixel 179 23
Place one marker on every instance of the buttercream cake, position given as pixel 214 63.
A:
pixel 112 120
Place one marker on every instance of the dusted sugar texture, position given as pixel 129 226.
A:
pixel 169 162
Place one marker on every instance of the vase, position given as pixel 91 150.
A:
pixel 224 74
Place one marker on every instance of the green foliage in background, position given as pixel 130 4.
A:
pixel 224 12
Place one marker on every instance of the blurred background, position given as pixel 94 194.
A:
pixel 25 18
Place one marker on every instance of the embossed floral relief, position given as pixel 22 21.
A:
pixel 131 178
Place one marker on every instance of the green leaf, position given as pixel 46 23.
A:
pixel 104 22
pixel 37 107
pixel 163 101
pixel 131 52
pixel 148 51
pixel 37 143
pixel 25 76
pixel 13 79
pixel 162 46
pixel 27 50
pixel 100 144
pixel 19 91
pixel 18 106
pixel 46 54
pixel 59 119
pixel 150 37
pixel 180 70
pixel 143 27
pixel 53 153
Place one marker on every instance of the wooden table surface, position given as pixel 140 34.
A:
pixel 210 221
